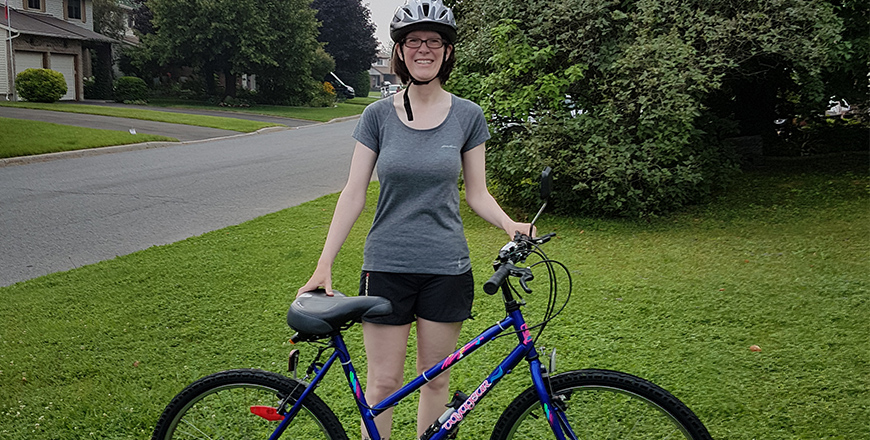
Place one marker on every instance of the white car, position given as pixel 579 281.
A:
pixel 390 89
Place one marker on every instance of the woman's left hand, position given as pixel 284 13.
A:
pixel 524 228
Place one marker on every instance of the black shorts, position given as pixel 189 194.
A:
pixel 439 298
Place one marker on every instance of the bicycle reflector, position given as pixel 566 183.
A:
pixel 267 412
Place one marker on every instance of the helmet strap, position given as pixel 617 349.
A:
pixel 408 111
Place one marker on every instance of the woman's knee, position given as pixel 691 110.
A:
pixel 383 385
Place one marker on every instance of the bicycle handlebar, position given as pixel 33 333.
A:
pixel 511 253
pixel 494 282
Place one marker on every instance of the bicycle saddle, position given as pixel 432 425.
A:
pixel 314 313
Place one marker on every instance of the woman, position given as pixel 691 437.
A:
pixel 415 254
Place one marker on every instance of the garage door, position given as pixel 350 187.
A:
pixel 27 60
pixel 66 64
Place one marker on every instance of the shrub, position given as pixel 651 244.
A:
pixel 629 101
pixel 130 88
pixel 324 97
pixel 362 84
pixel 40 85
pixel 90 87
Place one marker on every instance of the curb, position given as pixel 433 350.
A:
pixel 88 152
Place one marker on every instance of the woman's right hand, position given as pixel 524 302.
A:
pixel 322 277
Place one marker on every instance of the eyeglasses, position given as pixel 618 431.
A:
pixel 432 43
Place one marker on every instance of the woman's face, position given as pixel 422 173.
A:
pixel 423 62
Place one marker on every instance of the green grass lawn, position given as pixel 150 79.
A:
pixel 780 261
pixel 19 140
pixel 134 112
pixel 350 107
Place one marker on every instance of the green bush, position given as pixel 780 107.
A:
pixel 324 96
pixel 130 88
pixel 90 87
pixel 362 83
pixel 617 97
pixel 40 85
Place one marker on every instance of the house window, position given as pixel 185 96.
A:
pixel 34 4
pixel 74 9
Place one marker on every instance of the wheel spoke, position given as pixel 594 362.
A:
pixel 602 405
pixel 219 407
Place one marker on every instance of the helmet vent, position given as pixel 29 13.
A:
pixel 425 9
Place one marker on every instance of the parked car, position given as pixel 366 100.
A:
pixel 341 89
pixel 389 89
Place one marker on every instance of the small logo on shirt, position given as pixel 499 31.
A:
pixel 452 147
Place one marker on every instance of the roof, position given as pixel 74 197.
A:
pixel 383 70
pixel 30 23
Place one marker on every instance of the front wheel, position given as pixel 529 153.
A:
pixel 602 404
pixel 240 404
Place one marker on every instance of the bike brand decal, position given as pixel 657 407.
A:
pixel 458 355
pixel 497 375
pixel 467 406
pixel 527 337
pixel 548 413
pixel 357 391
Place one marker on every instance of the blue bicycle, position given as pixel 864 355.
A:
pixel 581 404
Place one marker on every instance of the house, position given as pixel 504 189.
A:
pixel 382 71
pixel 129 37
pixel 52 34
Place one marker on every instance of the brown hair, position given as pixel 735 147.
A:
pixel 401 69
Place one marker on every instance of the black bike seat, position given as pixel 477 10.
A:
pixel 314 313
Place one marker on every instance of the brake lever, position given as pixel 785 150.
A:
pixel 544 239
pixel 525 274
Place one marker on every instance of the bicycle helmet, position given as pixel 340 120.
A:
pixel 422 15
pixel 428 15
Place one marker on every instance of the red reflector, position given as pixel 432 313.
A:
pixel 267 412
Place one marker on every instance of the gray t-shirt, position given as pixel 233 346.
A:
pixel 417 227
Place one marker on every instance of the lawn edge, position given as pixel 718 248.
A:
pixel 98 151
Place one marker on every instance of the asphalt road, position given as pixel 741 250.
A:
pixel 61 214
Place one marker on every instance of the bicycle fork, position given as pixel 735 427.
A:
pixel 553 409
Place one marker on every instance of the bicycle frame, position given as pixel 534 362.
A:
pixel 525 349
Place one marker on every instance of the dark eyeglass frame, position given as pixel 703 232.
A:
pixel 418 43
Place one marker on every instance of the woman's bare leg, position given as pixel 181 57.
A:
pixel 386 348
pixel 435 341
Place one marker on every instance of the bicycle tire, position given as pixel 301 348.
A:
pixel 602 404
pixel 219 406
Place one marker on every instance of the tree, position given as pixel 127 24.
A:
pixel 630 100
pixel 348 34
pixel 272 38
pixel 109 18
pixel 142 17
pixel 847 77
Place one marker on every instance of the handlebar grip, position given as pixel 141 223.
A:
pixel 496 280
